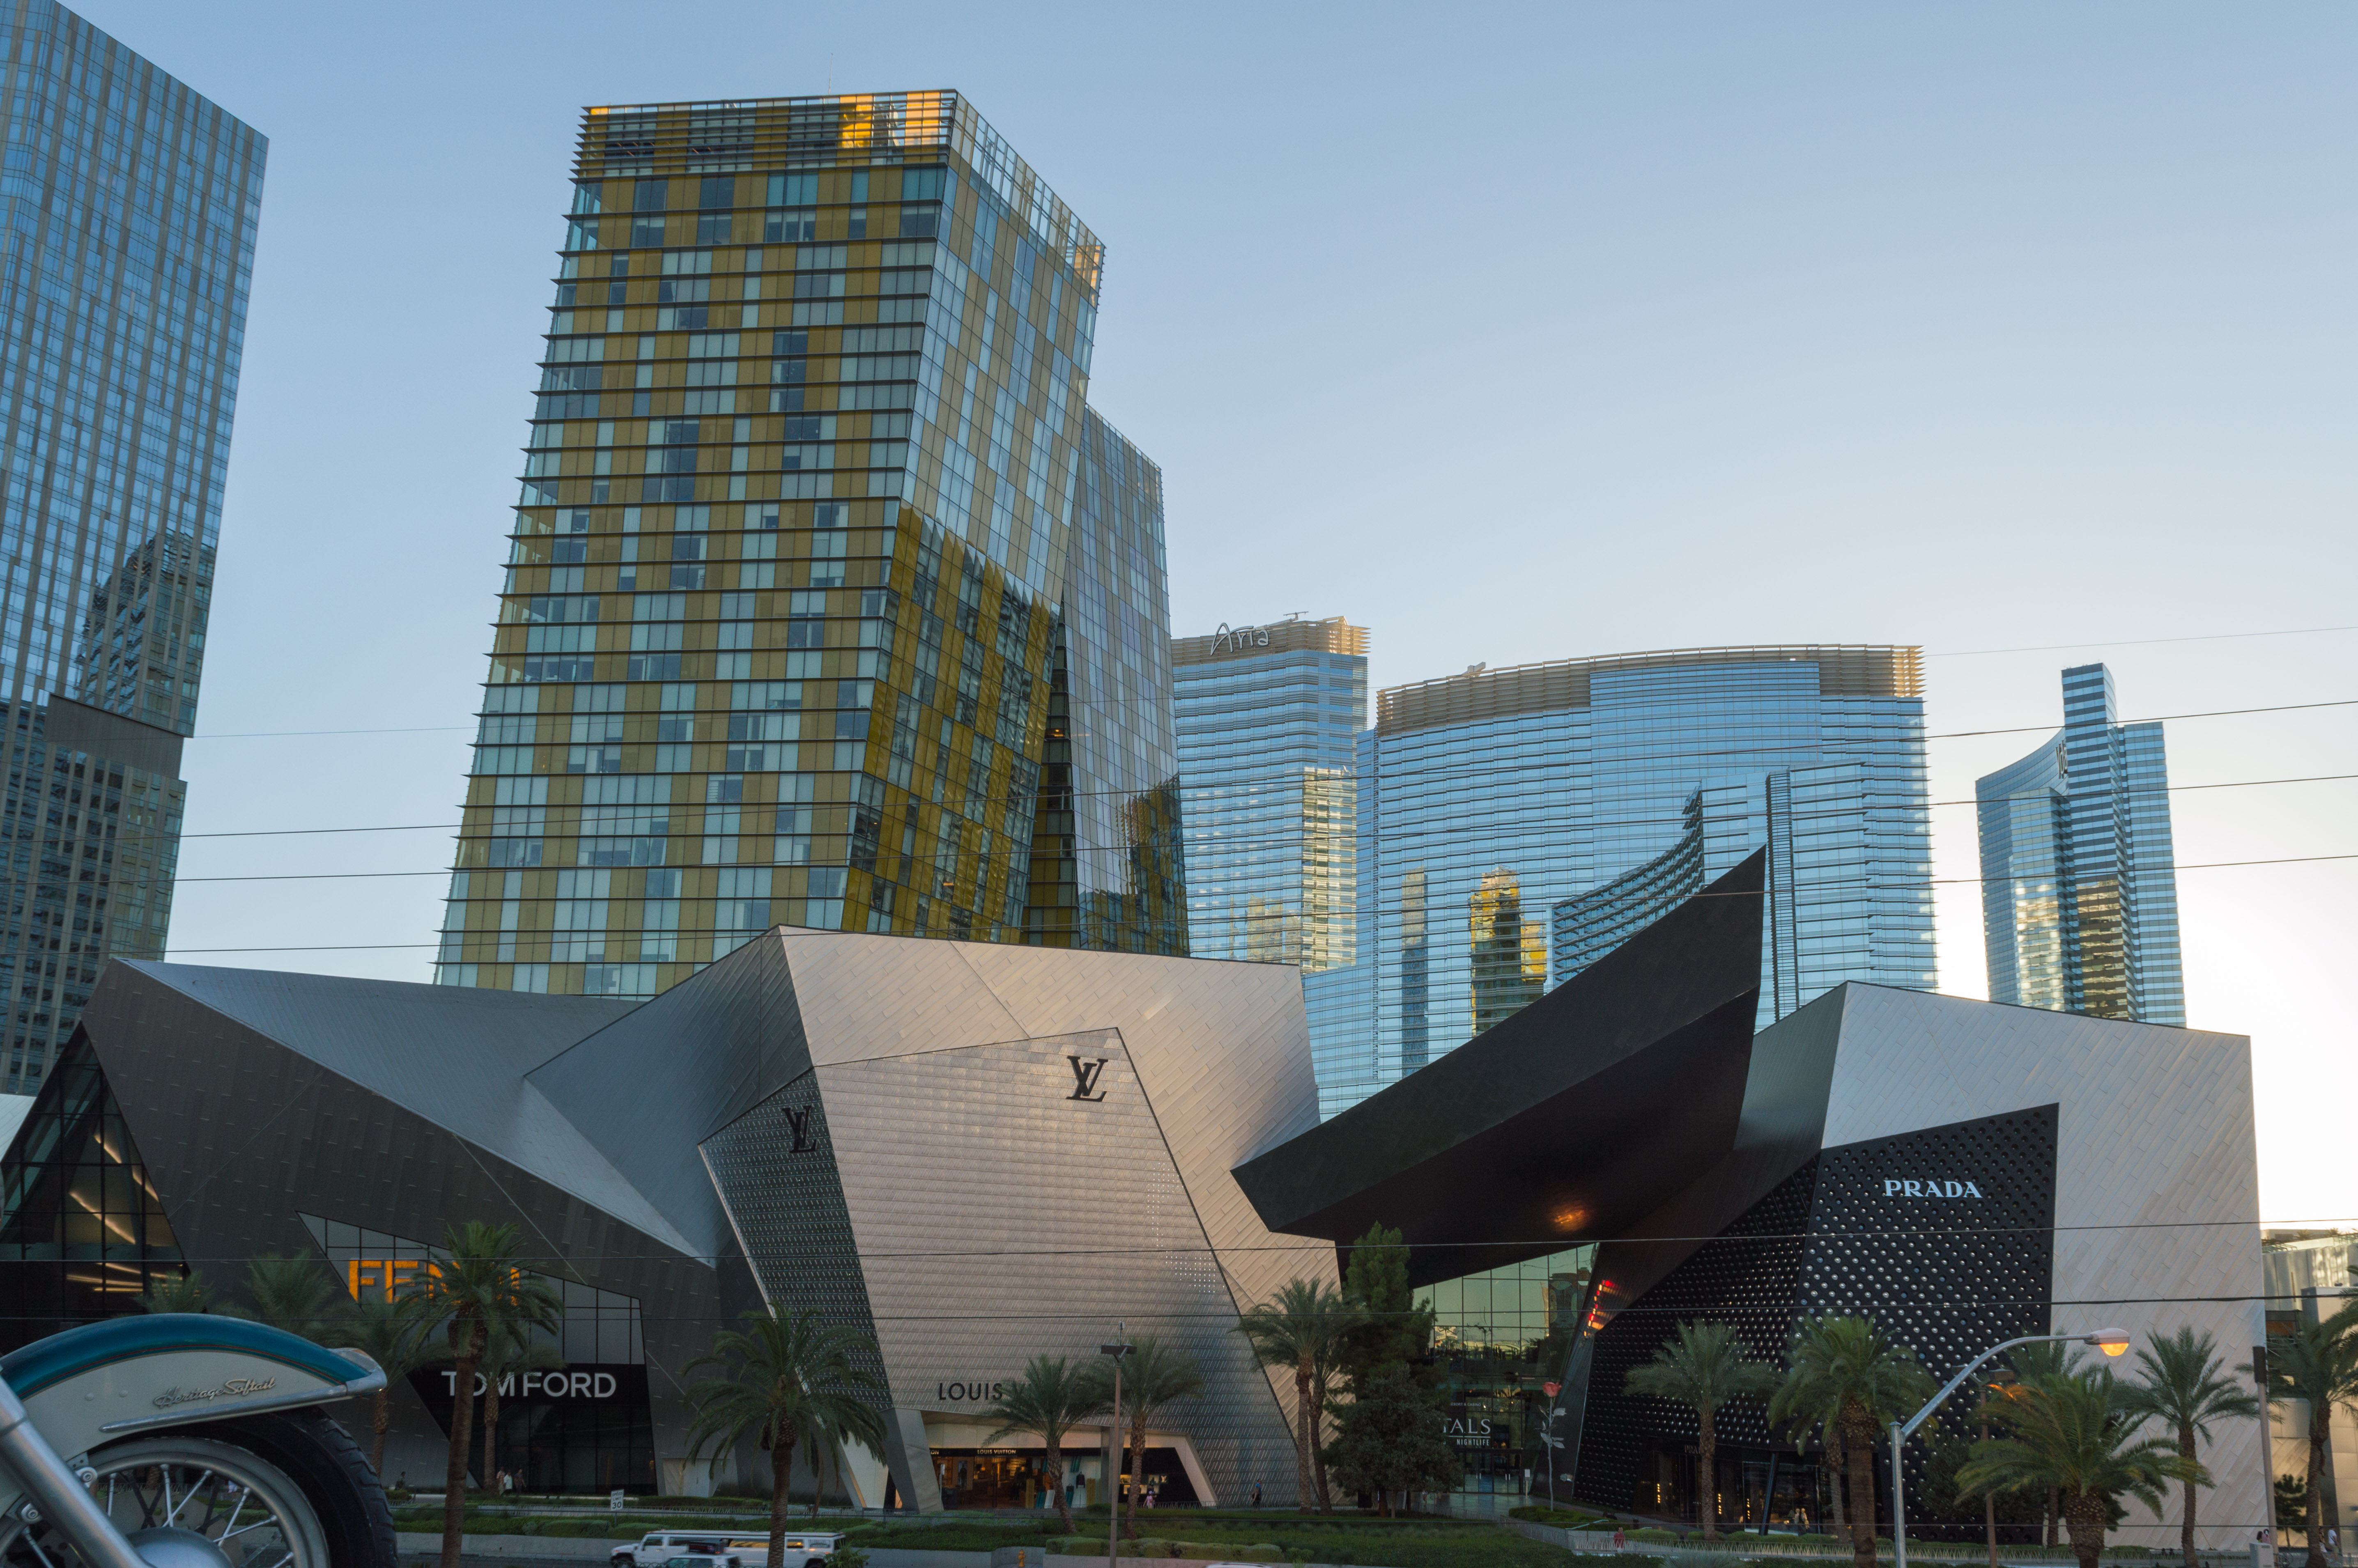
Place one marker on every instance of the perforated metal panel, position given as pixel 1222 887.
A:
pixel 1943 1236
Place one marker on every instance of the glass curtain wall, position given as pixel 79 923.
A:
pixel 1517 825
pixel 796 628
pixel 2079 885
pixel 1498 1339
pixel 129 204
pixel 1266 715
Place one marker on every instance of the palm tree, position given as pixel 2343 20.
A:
pixel 480 1284
pixel 1704 1368
pixel 786 1378
pixel 300 1294
pixel 2317 1362
pixel 1849 1378
pixel 1050 1397
pixel 508 1348
pixel 2031 1362
pixel 186 1294
pixel 2076 1432
pixel 1303 1328
pixel 2183 1390
pixel 1154 1375
pixel 398 1336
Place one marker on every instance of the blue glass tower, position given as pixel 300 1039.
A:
pixel 1515 824
pixel 130 205
pixel 1266 718
pixel 2079 894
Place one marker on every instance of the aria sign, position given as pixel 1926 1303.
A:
pixel 1239 640
pixel 1895 1188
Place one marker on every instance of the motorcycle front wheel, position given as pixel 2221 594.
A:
pixel 270 1492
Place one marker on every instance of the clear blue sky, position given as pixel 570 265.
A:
pixel 1513 333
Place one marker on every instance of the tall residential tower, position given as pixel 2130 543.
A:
pixel 831 602
pixel 2079 885
pixel 1267 719
pixel 1517 825
pixel 130 205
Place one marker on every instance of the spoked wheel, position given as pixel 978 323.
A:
pixel 187 1501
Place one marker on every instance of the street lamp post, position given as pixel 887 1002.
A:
pixel 1113 1463
pixel 2110 1341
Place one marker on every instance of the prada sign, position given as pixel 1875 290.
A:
pixel 1938 1187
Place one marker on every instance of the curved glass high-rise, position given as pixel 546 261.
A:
pixel 129 205
pixel 2079 879
pixel 831 601
pixel 1267 717
pixel 1515 824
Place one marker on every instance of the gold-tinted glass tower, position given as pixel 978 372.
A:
pixel 831 601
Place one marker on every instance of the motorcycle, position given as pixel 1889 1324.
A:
pixel 179 1440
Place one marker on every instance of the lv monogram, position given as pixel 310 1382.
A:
pixel 799 1121
pixel 1085 1079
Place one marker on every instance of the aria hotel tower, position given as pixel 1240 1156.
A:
pixel 831 601
pixel 129 205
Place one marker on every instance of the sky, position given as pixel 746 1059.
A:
pixel 1512 334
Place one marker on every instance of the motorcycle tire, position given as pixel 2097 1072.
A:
pixel 335 1475
pixel 322 1506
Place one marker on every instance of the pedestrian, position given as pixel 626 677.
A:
pixel 1256 1502
pixel 2333 1542
pixel 1620 1542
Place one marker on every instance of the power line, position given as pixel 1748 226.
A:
pixel 535 937
pixel 1958 735
pixel 2138 642
pixel 1293 838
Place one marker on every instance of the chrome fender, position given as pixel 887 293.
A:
pixel 106 1381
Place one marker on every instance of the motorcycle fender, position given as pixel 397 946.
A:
pixel 105 1382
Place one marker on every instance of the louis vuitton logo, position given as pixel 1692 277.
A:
pixel 1086 1073
pixel 799 1123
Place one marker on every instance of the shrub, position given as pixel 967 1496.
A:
pixel 1657 1536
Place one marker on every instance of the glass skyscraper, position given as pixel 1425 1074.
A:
pixel 1267 719
pixel 1515 824
pixel 2079 889
pixel 130 204
pixel 831 601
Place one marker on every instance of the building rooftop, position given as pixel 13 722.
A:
pixel 829 131
pixel 1332 635
pixel 1480 692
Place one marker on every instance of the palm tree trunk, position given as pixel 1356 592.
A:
pixel 466 1348
pixel 2054 1511
pixel 1707 1462
pixel 2186 1528
pixel 1860 1447
pixel 2084 1514
pixel 2316 1528
pixel 782 1468
pixel 1835 1517
pixel 1319 1451
pixel 491 1435
pixel 1137 1465
pixel 1052 1468
pixel 1302 1432
pixel 382 1422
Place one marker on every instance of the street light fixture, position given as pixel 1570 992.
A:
pixel 2110 1341
pixel 1113 1460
